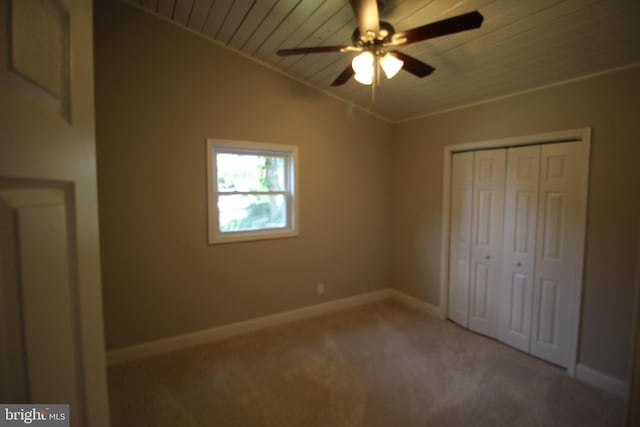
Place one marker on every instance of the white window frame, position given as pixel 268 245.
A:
pixel 290 152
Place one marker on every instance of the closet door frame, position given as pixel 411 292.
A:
pixel 572 135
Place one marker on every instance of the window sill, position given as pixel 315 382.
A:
pixel 250 236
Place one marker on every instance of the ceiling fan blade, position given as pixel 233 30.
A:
pixel 459 23
pixel 344 76
pixel 316 49
pixel 367 16
pixel 413 65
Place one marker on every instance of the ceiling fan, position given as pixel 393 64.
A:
pixel 376 39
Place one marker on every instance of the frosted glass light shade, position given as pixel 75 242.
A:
pixel 366 78
pixel 391 65
pixel 363 63
pixel 363 66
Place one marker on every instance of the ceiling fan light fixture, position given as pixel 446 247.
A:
pixel 372 37
pixel 391 65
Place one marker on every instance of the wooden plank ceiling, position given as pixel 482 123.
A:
pixel 522 44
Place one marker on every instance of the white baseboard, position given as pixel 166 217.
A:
pixel 416 303
pixel 141 351
pixel 601 380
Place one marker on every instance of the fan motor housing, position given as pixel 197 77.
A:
pixel 383 36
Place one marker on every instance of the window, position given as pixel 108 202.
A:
pixel 251 191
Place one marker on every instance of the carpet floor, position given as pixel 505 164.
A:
pixel 378 365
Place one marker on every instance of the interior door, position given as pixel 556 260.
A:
pixel 47 146
pixel 518 251
pixel 460 237
pixel 486 244
pixel 560 234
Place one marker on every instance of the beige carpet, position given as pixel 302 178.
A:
pixel 378 365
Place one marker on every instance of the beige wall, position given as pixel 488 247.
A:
pixel 160 91
pixel 610 105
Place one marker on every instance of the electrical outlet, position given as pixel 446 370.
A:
pixel 320 288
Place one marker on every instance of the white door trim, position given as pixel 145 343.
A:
pixel 582 135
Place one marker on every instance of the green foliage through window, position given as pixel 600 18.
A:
pixel 252 191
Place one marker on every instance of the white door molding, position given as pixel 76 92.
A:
pixel 582 135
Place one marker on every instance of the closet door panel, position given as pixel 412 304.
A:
pixel 460 237
pixel 561 218
pixel 521 201
pixel 486 243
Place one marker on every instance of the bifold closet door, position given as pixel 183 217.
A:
pixel 460 237
pixel 486 240
pixel 560 236
pixel 518 249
